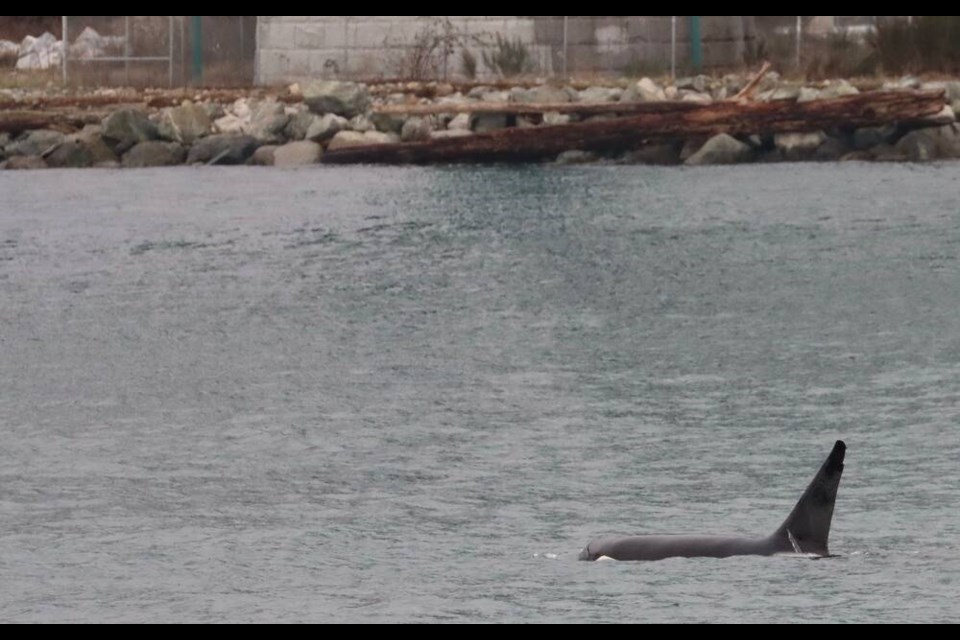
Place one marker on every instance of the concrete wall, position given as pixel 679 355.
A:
pixel 296 47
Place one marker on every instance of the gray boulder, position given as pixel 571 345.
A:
pixel 223 149
pixel 484 122
pixel 154 153
pixel 297 154
pixel 646 90
pixel 264 156
pixel 866 138
pixel 782 93
pixel 924 145
pixel 92 137
pixel 361 123
pixel 347 99
pixel 126 127
pixel 832 150
pixel 416 130
pixel 950 87
pixel 944 117
pixel 184 124
pixel 388 122
pixel 72 153
pixel 838 89
pixel 35 143
pixel 721 149
pixel 887 153
pixel 690 146
pixel 299 125
pixel 267 122
pixel 700 83
pixel 325 127
pixel 733 83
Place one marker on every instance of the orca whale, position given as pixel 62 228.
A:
pixel 805 531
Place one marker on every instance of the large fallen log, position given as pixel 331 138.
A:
pixel 532 108
pixel 735 118
pixel 155 98
pixel 17 121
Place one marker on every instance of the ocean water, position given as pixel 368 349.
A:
pixel 413 394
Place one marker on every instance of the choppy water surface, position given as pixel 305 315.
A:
pixel 414 394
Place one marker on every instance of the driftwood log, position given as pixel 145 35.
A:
pixel 18 121
pixel 149 98
pixel 535 108
pixel 664 121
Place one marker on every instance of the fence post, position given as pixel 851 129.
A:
pixel 696 46
pixel 196 33
pixel 673 47
pixel 66 47
pixel 170 39
pixel 799 39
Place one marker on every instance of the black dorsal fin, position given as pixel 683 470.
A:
pixel 807 528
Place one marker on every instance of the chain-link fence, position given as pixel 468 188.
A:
pixel 158 50
pixel 462 47
pixel 816 46
pixel 246 50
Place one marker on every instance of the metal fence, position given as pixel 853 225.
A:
pixel 223 50
pixel 158 50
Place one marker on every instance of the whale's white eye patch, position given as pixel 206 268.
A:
pixel 602 558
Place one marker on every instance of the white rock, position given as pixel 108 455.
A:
pixel 241 108
pixel 799 142
pixel 326 127
pixel 693 96
pixel 88 45
pixel 229 123
pixel 40 53
pixel 461 122
pixel 646 90
pixel 297 154
pixel 361 123
pixel 601 94
pixel 808 94
pixel 554 118
pixel 451 133
pixel 9 49
pixel 347 139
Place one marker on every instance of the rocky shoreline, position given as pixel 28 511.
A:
pixel 297 126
